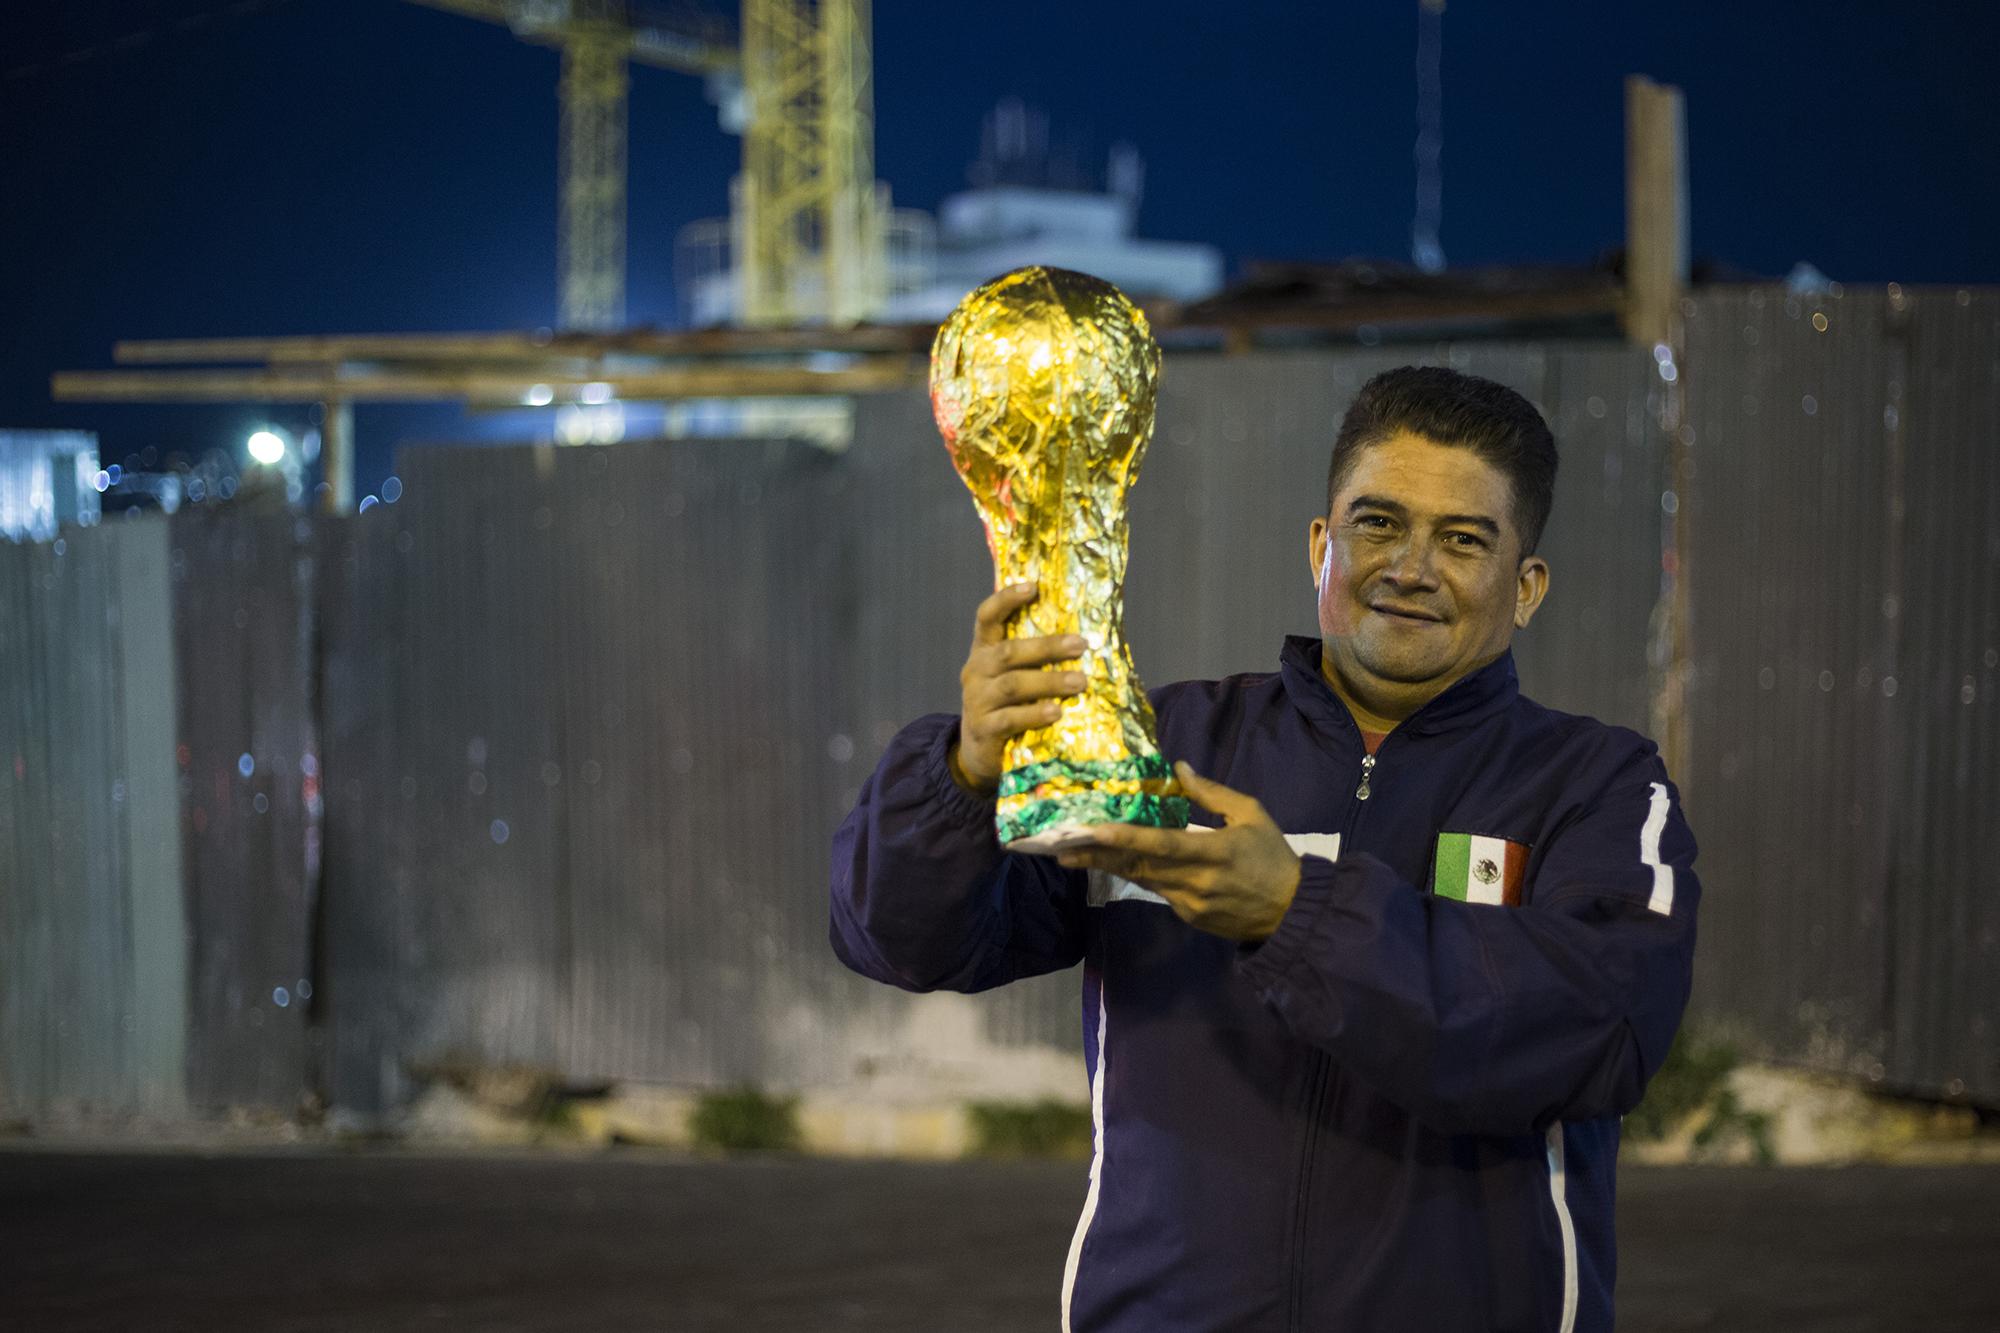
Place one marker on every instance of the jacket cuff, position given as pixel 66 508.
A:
pixel 1264 964
pixel 958 804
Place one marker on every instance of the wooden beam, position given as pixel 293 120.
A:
pixel 1656 209
pixel 1454 308
pixel 306 386
pixel 1656 276
pixel 544 358
pixel 523 346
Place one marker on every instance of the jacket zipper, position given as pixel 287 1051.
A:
pixel 1316 1083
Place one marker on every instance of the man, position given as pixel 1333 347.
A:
pixel 1358 1055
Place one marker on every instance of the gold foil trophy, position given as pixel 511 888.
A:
pixel 1042 382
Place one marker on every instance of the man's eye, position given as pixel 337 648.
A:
pixel 1375 521
pixel 1465 540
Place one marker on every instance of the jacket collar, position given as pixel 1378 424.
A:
pixel 1469 700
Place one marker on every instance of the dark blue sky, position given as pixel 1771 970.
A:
pixel 368 165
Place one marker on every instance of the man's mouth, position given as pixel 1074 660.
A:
pixel 1405 612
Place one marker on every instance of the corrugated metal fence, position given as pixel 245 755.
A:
pixel 243 639
pixel 93 942
pixel 582 741
pixel 1845 767
pixel 582 720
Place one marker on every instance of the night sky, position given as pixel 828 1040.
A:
pixel 309 166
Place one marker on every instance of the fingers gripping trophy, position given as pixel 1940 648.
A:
pixel 1042 382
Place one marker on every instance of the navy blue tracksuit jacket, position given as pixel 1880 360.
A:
pixel 1400 1111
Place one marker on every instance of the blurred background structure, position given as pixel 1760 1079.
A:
pixel 529 759
pixel 47 478
pixel 537 766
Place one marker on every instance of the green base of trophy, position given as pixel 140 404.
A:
pixel 1049 806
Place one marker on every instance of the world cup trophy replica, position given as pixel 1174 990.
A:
pixel 1042 382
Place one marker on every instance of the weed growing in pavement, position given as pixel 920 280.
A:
pixel 1693 1082
pixel 746 1119
pixel 1047 1128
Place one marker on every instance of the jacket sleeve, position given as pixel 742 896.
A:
pixel 923 897
pixel 1500 1020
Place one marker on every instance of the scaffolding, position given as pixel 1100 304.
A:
pixel 591 227
pixel 808 216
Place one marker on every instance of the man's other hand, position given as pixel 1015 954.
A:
pixel 1235 881
pixel 1007 687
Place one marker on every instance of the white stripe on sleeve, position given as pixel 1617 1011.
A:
pixel 1662 900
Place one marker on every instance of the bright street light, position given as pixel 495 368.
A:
pixel 267 447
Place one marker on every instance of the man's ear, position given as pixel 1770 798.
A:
pixel 1530 586
pixel 1319 549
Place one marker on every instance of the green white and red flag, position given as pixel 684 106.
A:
pixel 1473 868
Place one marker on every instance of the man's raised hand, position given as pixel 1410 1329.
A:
pixel 1235 881
pixel 1007 687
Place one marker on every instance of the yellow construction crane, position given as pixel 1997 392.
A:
pixel 807 214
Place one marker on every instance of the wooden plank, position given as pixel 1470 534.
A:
pixel 524 346
pixel 1656 209
pixel 1453 309
pixel 207 386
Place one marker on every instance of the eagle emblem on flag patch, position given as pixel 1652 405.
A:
pixel 1475 868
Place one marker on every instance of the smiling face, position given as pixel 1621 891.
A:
pixel 1420 573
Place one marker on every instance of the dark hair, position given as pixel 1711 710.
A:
pixel 1447 407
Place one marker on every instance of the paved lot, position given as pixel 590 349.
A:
pixel 299 1241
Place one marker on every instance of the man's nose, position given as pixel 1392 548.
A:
pixel 1410 565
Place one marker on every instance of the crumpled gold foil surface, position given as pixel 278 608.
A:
pixel 1042 383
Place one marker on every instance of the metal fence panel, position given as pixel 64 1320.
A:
pixel 1844 595
pixel 367 938
pixel 1788 780
pixel 243 634
pixel 608 772
pixel 91 968
pixel 1944 891
pixel 702 641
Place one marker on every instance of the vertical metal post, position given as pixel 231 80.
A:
pixel 336 453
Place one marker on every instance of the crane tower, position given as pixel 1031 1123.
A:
pixel 807 216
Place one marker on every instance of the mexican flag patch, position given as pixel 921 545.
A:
pixel 1477 869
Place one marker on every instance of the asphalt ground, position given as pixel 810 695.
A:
pixel 375 1241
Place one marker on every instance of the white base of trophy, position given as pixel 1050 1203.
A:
pixel 1054 840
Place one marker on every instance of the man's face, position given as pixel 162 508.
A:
pixel 1420 572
